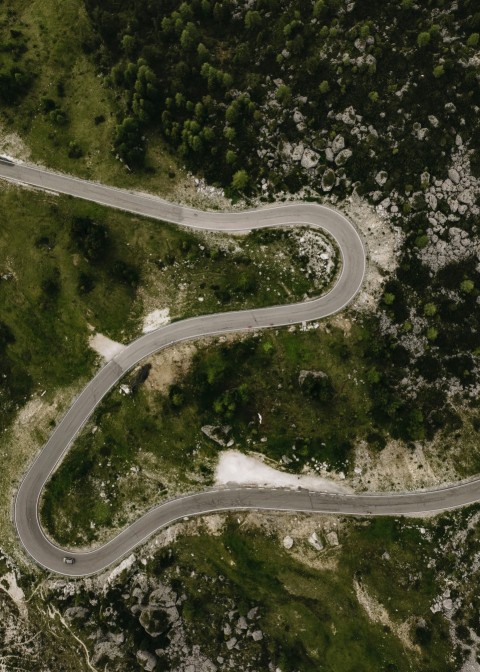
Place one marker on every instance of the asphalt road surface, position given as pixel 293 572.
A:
pixel 229 498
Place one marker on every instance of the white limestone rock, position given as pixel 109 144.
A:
pixel 297 152
pixel 328 180
pixel 298 117
pixel 343 156
pixel 310 159
pixel 147 660
pixel 454 176
pixel 431 200
pixel 348 116
pixel 314 541
pixel 381 177
pixel 467 196
pixel 338 144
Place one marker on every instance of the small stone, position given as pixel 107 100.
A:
pixel 231 643
pixel 329 154
pixel 315 542
pixel 257 635
pixel 431 200
pixel 348 116
pixel 297 152
pixel 328 180
pixel 298 117
pixel 147 660
pixel 287 542
pixel 467 196
pixel 242 623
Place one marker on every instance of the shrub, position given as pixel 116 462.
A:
pixel 74 150
pixel 240 180
pixel 423 39
pixel 90 238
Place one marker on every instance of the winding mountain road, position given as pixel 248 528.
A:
pixel 347 285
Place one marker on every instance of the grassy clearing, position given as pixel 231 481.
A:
pixel 67 115
pixel 139 448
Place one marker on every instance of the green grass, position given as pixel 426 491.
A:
pixel 147 446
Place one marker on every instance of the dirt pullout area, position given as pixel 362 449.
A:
pixel 12 146
pixel 235 467
pixel 104 346
pixel 155 319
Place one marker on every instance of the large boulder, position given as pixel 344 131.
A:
pixel 147 660
pixel 328 180
pixel 343 156
pixel 338 144
pixel 309 159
